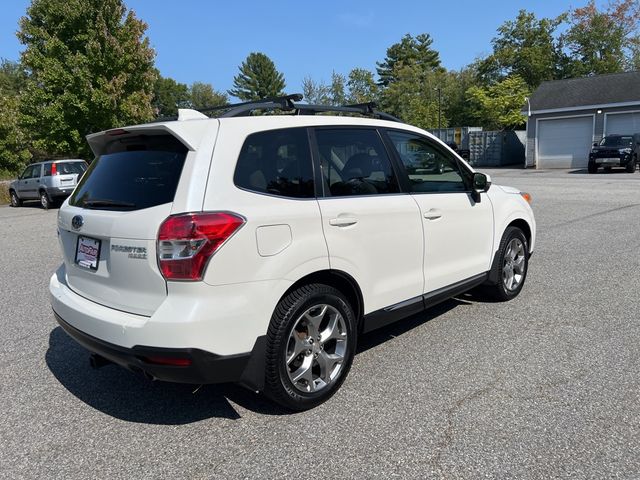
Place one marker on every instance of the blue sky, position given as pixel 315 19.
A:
pixel 200 40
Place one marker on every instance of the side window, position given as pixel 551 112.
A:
pixel 35 172
pixel 47 170
pixel 429 167
pixel 354 162
pixel 26 173
pixel 277 162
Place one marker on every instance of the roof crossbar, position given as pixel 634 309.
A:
pixel 286 103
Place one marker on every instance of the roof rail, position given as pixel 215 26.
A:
pixel 286 103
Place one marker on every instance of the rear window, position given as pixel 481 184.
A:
pixel 69 168
pixel 133 174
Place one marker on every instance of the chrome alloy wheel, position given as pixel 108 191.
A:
pixel 316 348
pixel 513 267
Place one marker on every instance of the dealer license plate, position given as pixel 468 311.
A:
pixel 88 252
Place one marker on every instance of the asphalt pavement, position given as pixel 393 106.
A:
pixel 544 386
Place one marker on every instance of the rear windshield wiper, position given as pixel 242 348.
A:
pixel 107 203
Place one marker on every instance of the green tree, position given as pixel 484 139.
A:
pixel 604 41
pixel 12 77
pixel 14 152
pixel 316 93
pixel 319 93
pixel 499 105
pixel 362 87
pixel 409 51
pixel 89 68
pixel 168 96
pixel 203 95
pixel 528 47
pixel 413 96
pixel 337 92
pixel 457 109
pixel 258 78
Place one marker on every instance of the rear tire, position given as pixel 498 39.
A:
pixel 311 342
pixel 512 265
pixel 15 200
pixel 45 201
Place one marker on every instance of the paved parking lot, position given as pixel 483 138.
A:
pixel 546 386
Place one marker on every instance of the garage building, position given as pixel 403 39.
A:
pixel 565 117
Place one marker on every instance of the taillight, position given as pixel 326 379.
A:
pixel 187 241
pixel 54 169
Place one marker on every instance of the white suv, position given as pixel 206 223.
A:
pixel 256 249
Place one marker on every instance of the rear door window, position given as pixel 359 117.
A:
pixel 133 174
pixel 354 162
pixel 276 162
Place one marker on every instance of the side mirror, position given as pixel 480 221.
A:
pixel 595 144
pixel 481 183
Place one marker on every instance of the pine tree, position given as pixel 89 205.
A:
pixel 258 78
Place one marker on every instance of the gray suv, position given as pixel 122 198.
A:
pixel 48 181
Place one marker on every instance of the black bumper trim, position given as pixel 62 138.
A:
pixel 205 368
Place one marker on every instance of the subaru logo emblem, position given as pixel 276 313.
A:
pixel 77 222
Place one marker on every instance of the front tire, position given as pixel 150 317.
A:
pixel 592 167
pixel 631 166
pixel 512 266
pixel 15 200
pixel 311 342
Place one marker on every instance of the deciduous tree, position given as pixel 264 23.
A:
pixel 604 41
pixel 89 68
pixel 499 105
pixel 362 87
pixel 168 96
pixel 203 95
pixel 528 47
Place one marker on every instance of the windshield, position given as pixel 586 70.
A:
pixel 143 176
pixel 617 141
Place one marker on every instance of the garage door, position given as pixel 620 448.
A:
pixel 564 142
pixel 623 123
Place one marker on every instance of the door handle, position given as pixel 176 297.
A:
pixel 343 221
pixel 433 214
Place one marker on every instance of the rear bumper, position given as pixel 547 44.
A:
pixel 204 367
pixel 55 192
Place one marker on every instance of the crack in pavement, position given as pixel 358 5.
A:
pixel 448 437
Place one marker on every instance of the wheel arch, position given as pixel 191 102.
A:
pixel 340 280
pixel 519 223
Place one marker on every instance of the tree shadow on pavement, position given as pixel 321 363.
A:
pixel 122 394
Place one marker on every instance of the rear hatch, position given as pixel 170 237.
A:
pixel 109 229
pixel 66 173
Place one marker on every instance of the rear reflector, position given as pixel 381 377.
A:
pixel 187 241
pixel 171 361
